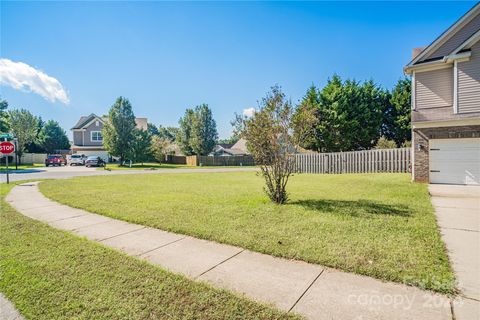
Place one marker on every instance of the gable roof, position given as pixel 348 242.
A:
pixel 462 30
pixel 84 120
pixel 240 145
pixel 141 123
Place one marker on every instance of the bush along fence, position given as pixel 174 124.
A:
pixel 220 161
pixel 368 161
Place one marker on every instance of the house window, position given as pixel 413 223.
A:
pixel 96 136
pixel 97 123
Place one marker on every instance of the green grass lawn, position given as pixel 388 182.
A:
pixel 51 274
pixel 21 166
pixel 381 225
pixel 150 166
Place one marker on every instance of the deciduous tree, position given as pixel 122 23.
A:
pixel 273 133
pixel 119 131
pixel 24 126
pixel 160 147
pixel 141 146
pixel 204 131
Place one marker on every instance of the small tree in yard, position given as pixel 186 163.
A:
pixel 119 131
pixel 160 147
pixel 273 134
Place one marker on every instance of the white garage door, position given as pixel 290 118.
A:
pixel 455 161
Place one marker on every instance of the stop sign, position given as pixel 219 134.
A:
pixel 7 147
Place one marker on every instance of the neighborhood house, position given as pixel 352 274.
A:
pixel 446 105
pixel 87 135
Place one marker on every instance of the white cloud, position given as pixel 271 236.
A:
pixel 21 76
pixel 248 112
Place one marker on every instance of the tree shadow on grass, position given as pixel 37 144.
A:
pixel 357 208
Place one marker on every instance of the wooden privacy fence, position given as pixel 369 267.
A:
pixel 30 158
pixel 220 161
pixel 175 159
pixel 368 161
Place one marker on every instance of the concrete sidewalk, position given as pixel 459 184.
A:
pixel 311 290
pixel 458 214
pixel 7 310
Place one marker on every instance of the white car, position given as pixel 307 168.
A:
pixel 76 159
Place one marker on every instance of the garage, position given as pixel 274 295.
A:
pixel 455 161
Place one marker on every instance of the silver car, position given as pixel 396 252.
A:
pixel 76 159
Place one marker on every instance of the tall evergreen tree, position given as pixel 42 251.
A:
pixel 399 122
pixel 118 132
pixel 185 132
pixel 349 115
pixel 52 137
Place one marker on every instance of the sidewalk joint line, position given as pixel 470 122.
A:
pixel 80 215
pixel 452 311
pixel 121 234
pixel 460 229
pixel 469 298
pixel 163 245
pixel 236 254
pixel 308 288
pixel 93 224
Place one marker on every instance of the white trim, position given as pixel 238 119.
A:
pixel 446 35
pixel 413 94
pixel 96 140
pixel 460 57
pixel 429 66
pixel 455 87
pixel 446 123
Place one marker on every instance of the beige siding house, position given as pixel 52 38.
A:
pixel 87 135
pixel 446 105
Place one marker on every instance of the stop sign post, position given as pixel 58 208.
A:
pixel 6 148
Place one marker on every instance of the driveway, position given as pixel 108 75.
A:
pixel 458 215
pixel 76 171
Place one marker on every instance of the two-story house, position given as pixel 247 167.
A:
pixel 446 105
pixel 87 135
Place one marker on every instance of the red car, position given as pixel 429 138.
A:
pixel 55 160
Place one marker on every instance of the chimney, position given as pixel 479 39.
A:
pixel 416 52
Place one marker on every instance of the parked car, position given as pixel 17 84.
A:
pixel 77 159
pixel 55 160
pixel 94 161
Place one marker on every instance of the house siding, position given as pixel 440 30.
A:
pixel 77 138
pixel 469 82
pixel 434 88
pixel 457 39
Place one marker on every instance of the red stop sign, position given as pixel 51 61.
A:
pixel 7 147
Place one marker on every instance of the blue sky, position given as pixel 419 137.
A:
pixel 167 56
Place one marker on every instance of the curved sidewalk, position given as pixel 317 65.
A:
pixel 308 289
